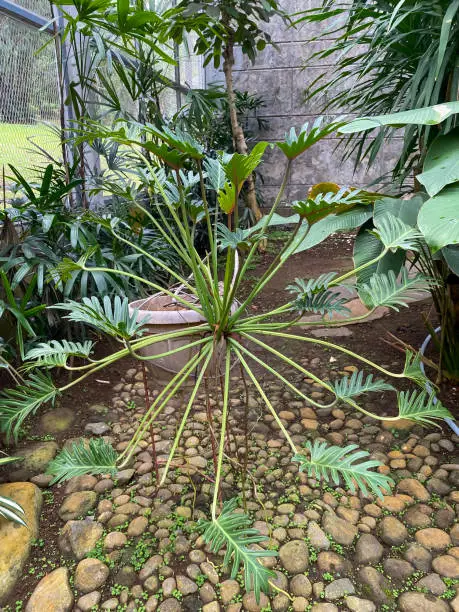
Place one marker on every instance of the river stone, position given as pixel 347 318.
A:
pixel 35 460
pixel 397 569
pixel 15 540
pixel 376 586
pixel 58 420
pixel 418 556
pixel 355 604
pixel 338 589
pixel 368 550
pixel 77 504
pixel 78 538
pixel 90 575
pixel 97 429
pixel 52 593
pixel 294 556
pixel 433 539
pixel 392 531
pixel 317 537
pixel 250 603
pixel 340 530
pixel 229 589
pixel 421 602
pixel 89 601
pixel 333 563
pixel 170 605
pixel 433 583
pixel 446 565
pixel 300 586
pixel 414 488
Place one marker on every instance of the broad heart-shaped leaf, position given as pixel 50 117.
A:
pixel 366 248
pixel 173 158
pixel 429 115
pixel 451 255
pixel 441 165
pixel 349 220
pixel 232 530
pixel 330 463
pixel 215 173
pixel 405 210
pixel 296 144
pixel 438 219
pixel 227 197
pixel 239 167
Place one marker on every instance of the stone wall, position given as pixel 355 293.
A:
pixel 279 77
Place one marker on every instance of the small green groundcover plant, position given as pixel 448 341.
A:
pixel 228 328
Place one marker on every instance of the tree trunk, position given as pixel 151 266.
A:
pixel 240 144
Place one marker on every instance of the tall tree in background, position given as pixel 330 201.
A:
pixel 227 24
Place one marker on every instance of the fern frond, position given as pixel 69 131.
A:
pixel 55 353
pixel 233 530
pixel 113 320
pixel 355 385
pixel 421 408
pixel 395 234
pixel 387 290
pixel 24 400
pixel 12 511
pixel 330 463
pixel 98 457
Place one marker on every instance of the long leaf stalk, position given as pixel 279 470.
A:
pixel 277 374
pixel 207 353
pixel 266 400
pixel 167 393
pixel 330 345
pixel 244 268
pixel 218 471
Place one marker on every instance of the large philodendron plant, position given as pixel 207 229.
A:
pixel 216 289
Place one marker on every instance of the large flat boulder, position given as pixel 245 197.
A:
pixel 15 540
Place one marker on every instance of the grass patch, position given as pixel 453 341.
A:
pixel 16 146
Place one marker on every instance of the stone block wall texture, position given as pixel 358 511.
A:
pixel 280 78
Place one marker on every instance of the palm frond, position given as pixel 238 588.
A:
pixel 355 385
pixel 98 457
pixel 23 401
pixel 395 234
pixel 12 511
pixel 330 463
pixel 232 529
pixel 114 320
pixel 422 408
pixel 387 290
pixel 55 353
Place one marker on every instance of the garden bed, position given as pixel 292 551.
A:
pixel 337 550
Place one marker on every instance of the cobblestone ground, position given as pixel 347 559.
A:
pixel 124 545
